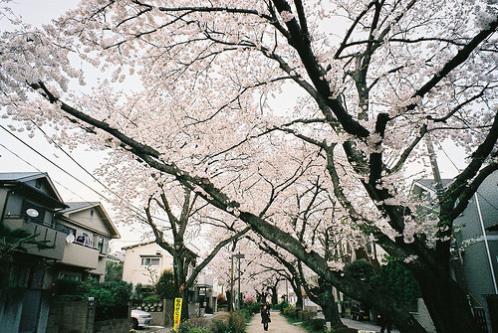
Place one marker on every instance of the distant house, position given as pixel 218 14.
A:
pixel 76 235
pixel 145 262
pixel 475 247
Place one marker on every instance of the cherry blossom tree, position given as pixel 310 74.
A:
pixel 376 77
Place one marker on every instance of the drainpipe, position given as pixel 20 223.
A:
pixel 486 242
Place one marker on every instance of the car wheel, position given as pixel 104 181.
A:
pixel 133 323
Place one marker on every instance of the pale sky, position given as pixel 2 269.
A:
pixel 38 12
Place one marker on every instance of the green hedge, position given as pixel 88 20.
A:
pixel 236 323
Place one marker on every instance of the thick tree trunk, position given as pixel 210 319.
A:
pixel 329 306
pixel 299 295
pixel 447 303
pixel 274 295
pixel 181 284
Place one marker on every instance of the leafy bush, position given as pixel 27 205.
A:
pixel 252 307
pixel 317 324
pixel 219 326
pixel 307 315
pixel 247 314
pixel 237 323
pixel 197 325
pixel 165 287
pixel 283 305
pixel 290 311
pixel 152 299
pixel 111 298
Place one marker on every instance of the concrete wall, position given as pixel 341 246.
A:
pixel 100 270
pixel 71 317
pixel 81 256
pixel 134 272
pixel 112 326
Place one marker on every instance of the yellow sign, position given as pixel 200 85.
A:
pixel 177 315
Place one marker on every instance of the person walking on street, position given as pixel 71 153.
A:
pixel 265 316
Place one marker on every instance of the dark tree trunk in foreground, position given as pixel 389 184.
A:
pixel 447 303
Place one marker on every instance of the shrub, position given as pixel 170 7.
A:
pixel 307 315
pixel 237 323
pixel 252 307
pixel 246 314
pixel 317 324
pixel 289 311
pixel 165 287
pixel 219 326
pixel 195 326
pixel 152 299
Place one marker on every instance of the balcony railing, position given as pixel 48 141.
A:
pixel 53 239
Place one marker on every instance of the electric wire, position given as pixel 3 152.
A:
pixel 138 214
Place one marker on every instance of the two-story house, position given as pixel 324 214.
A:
pixel 89 230
pixel 145 262
pixel 75 240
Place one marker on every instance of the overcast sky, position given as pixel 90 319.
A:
pixel 38 12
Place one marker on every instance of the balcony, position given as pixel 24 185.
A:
pixel 76 254
pixel 54 238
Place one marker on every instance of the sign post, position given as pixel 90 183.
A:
pixel 177 315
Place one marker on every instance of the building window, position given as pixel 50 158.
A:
pixel 102 244
pixel 84 239
pixel 150 261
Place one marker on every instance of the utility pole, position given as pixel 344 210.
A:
pixel 438 182
pixel 239 256
pixel 231 288
pixel 287 290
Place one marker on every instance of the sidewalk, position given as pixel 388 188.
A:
pixel 278 325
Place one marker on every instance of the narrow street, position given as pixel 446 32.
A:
pixel 278 325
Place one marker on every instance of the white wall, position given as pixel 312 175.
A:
pixel 134 272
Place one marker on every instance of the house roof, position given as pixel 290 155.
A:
pixel 148 243
pixel 79 206
pixel 430 184
pixel 21 178
pixel 137 245
pixel 74 207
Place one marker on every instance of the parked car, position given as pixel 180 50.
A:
pixel 140 319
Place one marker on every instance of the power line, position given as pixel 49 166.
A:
pixel 66 172
pixel 458 169
pixel 85 170
pixel 37 169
